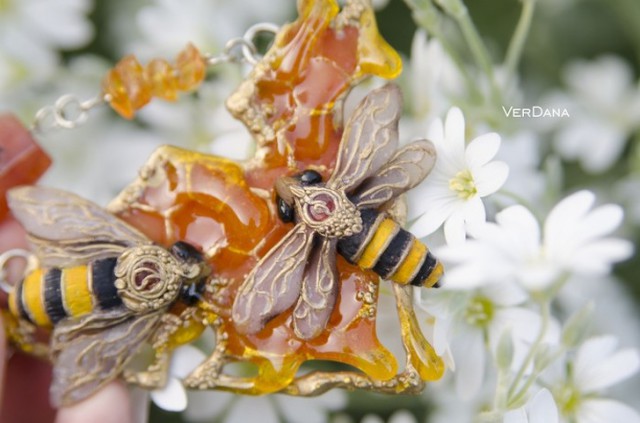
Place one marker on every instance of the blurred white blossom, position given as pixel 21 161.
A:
pixel 432 81
pixel 541 408
pixel 453 193
pixel 597 366
pixel 469 324
pixel 574 240
pixel 32 32
pixel 603 100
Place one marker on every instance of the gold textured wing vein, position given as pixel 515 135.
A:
pixel 406 169
pixel 319 291
pixel 370 137
pixel 65 229
pixel 92 352
pixel 274 284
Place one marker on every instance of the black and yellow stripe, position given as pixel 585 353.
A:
pixel 47 296
pixel 390 251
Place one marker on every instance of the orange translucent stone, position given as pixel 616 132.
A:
pixel 22 161
pixel 129 86
pixel 162 79
pixel 191 68
pixel 292 98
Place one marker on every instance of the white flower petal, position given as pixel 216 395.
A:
pixel 252 409
pixel 522 225
pixel 606 411
pixel 172 397
pixel 519 415
pixel 454 231
pixel 615 369
pixel 474 212
pixel 542 408
pixel 595 350
pixel 207 405
pixel 431 220
pixel 482 149
pixel 598 257
pixel 184 360
pixel 454 131
pixel 402 416
pixel 490 177
pixel 566 213
pixel 435 133
pixel 469 353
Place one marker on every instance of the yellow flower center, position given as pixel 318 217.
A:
pixel 568 399
pixel 479 312
pixel 5 5
pixel 463 184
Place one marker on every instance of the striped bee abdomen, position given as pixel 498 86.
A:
pixel 390 251
pixel 47 296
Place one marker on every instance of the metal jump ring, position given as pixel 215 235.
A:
pixel 61 110
pixel 9 255
pixel 250 35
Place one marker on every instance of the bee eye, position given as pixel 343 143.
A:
pixel 309 177
pixel 285 211
pixel 186 252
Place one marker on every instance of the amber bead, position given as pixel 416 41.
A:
pixel 162 79
pixel 129 86
pixel 22 161
pixel 190 67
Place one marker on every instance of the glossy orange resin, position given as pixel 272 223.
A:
pixel 293 99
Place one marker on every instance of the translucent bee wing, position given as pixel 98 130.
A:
pixel 319 291
pixel 65 229
pixel 408 167
pixel 92 352
pixel 370 137
pixel 274 284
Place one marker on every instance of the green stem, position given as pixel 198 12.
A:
pixel 533 378
pixel 427 16
pixel 545 307
pixel 514 52
pixel 460 13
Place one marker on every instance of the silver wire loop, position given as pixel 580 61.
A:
pixel 250 36
pixel 16 253
pixel 240 49
pixel 67 112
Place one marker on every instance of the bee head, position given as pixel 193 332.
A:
pixel 192 263
pixel 195 271
pixel 285 187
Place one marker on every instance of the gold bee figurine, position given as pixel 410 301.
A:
pixel 102 287
pixel 344 215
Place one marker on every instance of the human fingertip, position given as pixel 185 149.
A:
pixel 111 404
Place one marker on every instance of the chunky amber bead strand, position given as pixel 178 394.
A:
pixel 129 86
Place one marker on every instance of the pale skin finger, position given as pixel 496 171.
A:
pixel 112 404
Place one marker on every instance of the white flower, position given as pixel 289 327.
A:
pixel 214 405
pixel 521 152
pixel 604 104
pixel 432 80
pixel 467 323
pixel 541 408
pixel 596 367
pixel 173 396
pixel 574 240
pixel 31 32
pixel 453 193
